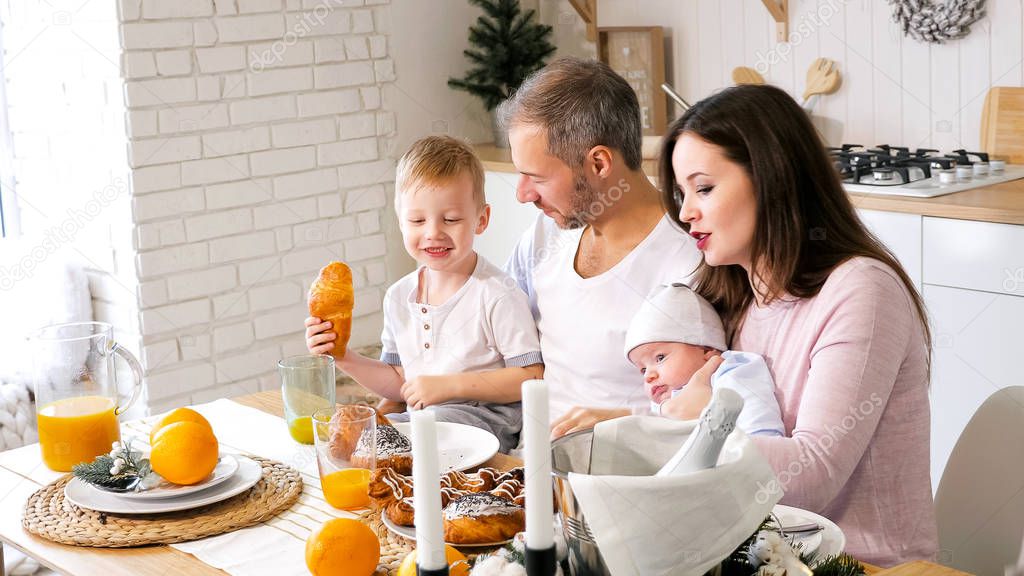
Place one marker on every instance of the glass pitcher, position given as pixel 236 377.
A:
pixel 77 401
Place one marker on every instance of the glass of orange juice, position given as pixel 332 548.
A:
pixel 345 438
pixel 307 384
pixel 77 397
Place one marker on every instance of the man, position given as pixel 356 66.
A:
pixel 603 240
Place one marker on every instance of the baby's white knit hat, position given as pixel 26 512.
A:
pixel 675 313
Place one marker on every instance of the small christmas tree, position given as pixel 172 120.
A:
pixel 508 47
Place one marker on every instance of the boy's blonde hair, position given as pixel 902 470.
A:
pixel 439 160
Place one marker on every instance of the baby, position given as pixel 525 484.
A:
pixel 677 341
pixel 459 338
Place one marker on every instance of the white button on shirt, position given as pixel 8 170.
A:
pixel 486 325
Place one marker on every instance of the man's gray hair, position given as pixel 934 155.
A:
pixel 579 104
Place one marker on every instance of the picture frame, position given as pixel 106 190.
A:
pixel 637 53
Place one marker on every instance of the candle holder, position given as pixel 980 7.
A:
pixel 432 572
pixel 540 562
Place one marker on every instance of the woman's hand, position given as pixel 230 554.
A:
pixel 319 338
pixel 423 391
pixel 693 397
pixel 581 418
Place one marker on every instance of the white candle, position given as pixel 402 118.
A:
pixel 427 491
pixel 537 453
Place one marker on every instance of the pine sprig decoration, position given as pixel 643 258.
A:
pixel 508 45
pixel 839 565
pixel 122 469
pixel 738 563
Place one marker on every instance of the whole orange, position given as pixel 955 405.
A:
pixel 184 452
pixel 179 415
pixel 458 565
pixel 342 547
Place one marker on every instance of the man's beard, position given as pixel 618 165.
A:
pixel 584 198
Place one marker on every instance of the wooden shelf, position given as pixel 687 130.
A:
pixel 587 9
pixel 779 9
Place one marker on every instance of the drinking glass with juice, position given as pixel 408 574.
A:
pixel 346 453
pixel 77 398
pixel 307 384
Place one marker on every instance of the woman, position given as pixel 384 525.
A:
pixel 798 279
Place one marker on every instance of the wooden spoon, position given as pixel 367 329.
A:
pixel 746 75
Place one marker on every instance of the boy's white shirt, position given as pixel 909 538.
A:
pixel 748 375
pixel 485 325
pixel 582 321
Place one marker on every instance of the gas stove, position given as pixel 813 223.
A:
pixel 923 172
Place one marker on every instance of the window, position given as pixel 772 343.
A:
pixel 8 206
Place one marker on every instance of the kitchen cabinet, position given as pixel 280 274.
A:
pixel 973 274
pixel 974 255
pixel 976 351
pixel 901 233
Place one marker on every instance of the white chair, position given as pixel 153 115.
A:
pixel 980 501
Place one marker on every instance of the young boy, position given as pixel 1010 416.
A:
pixel 459 338
pixel 676 339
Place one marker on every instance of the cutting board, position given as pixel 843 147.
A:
pixel 920 568
pixel 1002 124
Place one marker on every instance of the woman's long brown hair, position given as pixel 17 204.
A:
pixel 806 224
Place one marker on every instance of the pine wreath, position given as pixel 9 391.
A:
pixel 508 46
pixel 936 21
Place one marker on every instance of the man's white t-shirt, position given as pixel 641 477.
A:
pixel 582 321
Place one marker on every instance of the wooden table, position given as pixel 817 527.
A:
pixel 22 473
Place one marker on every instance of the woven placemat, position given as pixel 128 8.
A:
pixel 393 548
pixel 49 515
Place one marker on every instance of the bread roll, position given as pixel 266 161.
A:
pixel 331 298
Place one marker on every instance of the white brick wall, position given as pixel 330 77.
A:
pixel 259 153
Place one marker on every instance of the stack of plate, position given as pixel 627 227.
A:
pixel 233 475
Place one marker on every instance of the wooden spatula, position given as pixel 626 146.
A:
pixel 822 78
pixel 746 75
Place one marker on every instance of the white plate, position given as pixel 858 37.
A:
pixel 409 533
pixel 226 467
pixel 828 542
pixel 460 446
pixel 85 496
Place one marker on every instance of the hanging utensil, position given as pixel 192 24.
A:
pixel 675 96
pixel 746 75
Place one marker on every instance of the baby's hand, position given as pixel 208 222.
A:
pixel 692 398
pixel 319 338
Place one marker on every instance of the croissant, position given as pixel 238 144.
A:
pixel 401 512
pixel 331 297
pixel 387 486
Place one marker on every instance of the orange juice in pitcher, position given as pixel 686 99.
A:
pixel 77 396
pixel 75 430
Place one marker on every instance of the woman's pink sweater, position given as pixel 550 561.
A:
pixel 851 377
